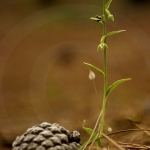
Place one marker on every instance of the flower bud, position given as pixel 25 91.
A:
pixel 109 129
pixel 91 75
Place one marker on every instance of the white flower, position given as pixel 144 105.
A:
pixel 109 129
pixel 91 75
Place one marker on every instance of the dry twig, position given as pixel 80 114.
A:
pixel 132 145
pixel 138 126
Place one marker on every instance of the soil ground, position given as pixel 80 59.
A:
pixel 42 49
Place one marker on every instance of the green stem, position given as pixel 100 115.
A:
pixel 101 127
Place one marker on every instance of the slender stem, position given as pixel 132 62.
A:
pixel 93 131
pixel 105 57
pixel 101 127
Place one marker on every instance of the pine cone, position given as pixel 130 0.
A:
pixel 46 136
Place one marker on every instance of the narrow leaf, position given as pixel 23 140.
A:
pixel 114 32
pixel 108 4
pixel 90 131
pixel 109 34
pixel 95 68
pixel 98 142
pixel 83 145
pixel 87 143
pixel 115 84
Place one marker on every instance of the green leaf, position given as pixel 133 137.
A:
pixel 109 34
pixel 83 145
pixel 87 143
pixel 108 4
pixel 90 131
pixel 114 85
pixel 114 32
pixel 98 142
pixel 95 68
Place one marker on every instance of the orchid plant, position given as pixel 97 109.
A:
pixel 97 132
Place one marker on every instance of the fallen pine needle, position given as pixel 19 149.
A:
pixel 113 142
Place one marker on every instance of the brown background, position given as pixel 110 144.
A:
pixel 43 79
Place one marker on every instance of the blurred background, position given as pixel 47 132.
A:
pixel 43 44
